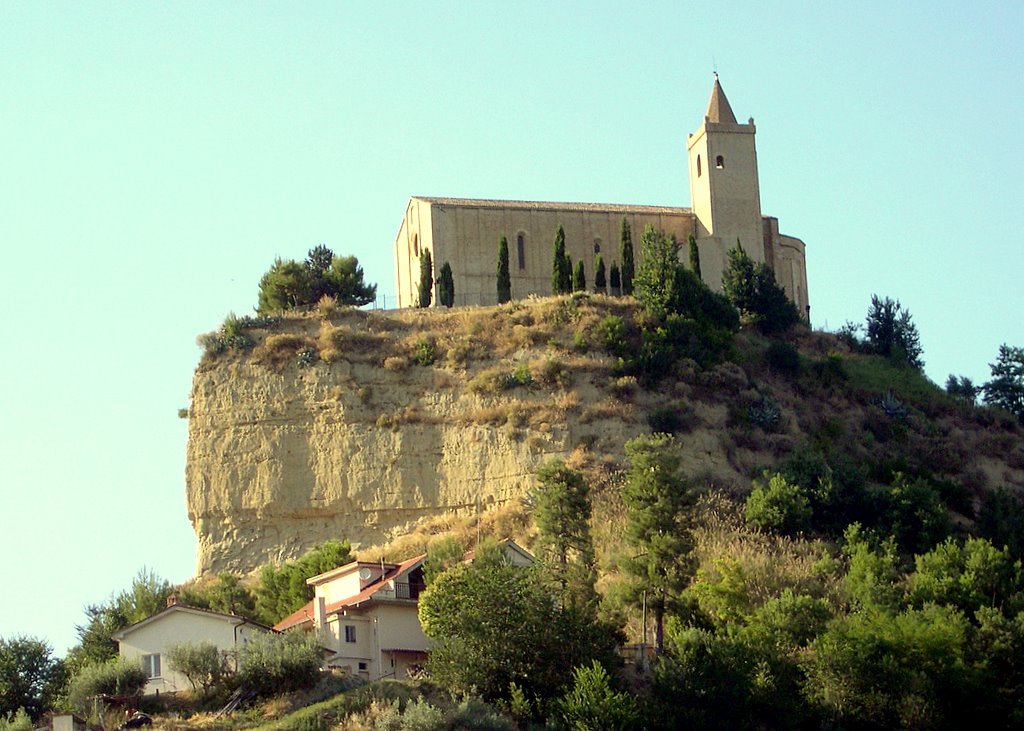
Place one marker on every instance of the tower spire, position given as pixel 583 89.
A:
pixel 718 106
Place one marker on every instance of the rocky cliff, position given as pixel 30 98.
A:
pixel 347 424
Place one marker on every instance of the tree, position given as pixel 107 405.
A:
pixel 345 282
pixel 561 509
pixel 659 258
pixel 1006 389
pixel 270 664
pixel 600 284
pixel 284 287
pixel 963 388
pixel 579 278
pixel 694 256
pixel 225 594
pixel 626 255
pixel 655 497
pixel 592 703
pixel 892 333
pixel 493 624
pixel 561 268
pixel 30 677
pixel 442 554
pixel 446 286
pixel 318 265
pixel 426 286
pixel 615 279
pixel 504 278
pixel 752 289
pixel 202 664
pixel 115 677
pixel 779 505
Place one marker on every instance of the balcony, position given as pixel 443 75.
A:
pixel 408 590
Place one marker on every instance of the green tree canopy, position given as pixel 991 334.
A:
pixel 752 289
pixel 446 286
pixel 289 284
pixel 1006 389
pixel 504 277
pixel 579 278
pixel 628 267
pixel 659 258
pixel 600 282
pixel 561 268
pixel 892 333
pixel 30 677
pixel 694 255
pixel 425 290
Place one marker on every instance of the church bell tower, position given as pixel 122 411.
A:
pixel 724 191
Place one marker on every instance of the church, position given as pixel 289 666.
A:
pixel 725 207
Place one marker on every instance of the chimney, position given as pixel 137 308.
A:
pixel 319 612
pixel 172 599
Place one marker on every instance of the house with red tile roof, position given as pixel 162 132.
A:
pixel 367 614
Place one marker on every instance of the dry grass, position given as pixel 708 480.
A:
pixel 278 350
pixel 351 343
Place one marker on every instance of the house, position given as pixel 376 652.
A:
pixel 149 640
pixel 367 614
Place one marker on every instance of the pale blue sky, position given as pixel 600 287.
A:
pixel 157 156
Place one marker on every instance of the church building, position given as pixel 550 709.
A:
pixel 725 207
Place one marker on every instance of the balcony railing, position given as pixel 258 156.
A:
pixel 408 590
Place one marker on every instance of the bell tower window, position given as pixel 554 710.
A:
pixel 698 166
pixel 719 162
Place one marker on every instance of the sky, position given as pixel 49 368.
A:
pixel 156 157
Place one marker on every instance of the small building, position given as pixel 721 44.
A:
pixel 367 615
pixel 148 640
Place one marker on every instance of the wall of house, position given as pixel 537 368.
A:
pixel 180 627
pixel 350 654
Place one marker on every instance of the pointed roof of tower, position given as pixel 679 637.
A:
pixel 718 106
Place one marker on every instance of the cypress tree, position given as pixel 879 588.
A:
pixel 426 280
pixel 614 281
pixel 504 278
pixel 558 264
pixel 694 256
pixel 567 274
pixel 579 278
pixel 446 286
pixel 626 254
pixel 599 281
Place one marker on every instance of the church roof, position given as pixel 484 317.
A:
pixel 718 106
pixel 553 205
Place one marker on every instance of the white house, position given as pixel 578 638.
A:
pixel 149 640
pixel 367 614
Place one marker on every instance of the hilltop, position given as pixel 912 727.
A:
pixel 343 423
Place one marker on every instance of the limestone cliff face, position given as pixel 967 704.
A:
pixel 283 456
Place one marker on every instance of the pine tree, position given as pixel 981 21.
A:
pixel 694 256
pixel 599 279
pixel 504 278
pixel 426 280
pixel 654 283
pixel 614 280
pixel 558 264
pixel 446 286
pixel 579 278
pixel 628 268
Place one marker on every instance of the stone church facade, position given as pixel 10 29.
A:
pixel 726 207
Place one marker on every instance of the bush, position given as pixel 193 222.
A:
pixel 782 358
pixel 425 353
pixel 19 721
pixel 778 505
pixel 114 677
pixel 765 414
pixel 593 705
pixel 271 664
pixel 203 664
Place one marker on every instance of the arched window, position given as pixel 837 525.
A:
pixel 597 246
pixel 698 166
pixel 416 245
pixel 719 162
pixel 521 251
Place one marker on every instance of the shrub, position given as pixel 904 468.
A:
pixel 778 505
pixel 593 704
pixel 203 664
pixel 19 721
pixel 611 331
pixel 425 353
pixel 765 414
pixel 783 358
pixel 278 350
pixel 114 677
pixel 271 664
pixel 672 419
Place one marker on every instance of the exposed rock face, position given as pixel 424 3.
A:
pixel 283 458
